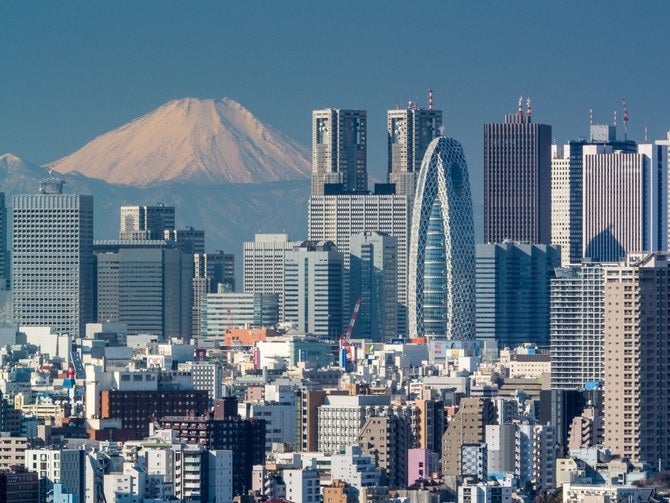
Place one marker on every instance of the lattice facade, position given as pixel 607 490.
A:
pixel 444 183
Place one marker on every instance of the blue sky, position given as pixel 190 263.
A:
pixel 73 70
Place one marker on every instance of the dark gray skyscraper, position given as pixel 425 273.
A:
pixel 52 259
pixel 339 150
pixel 517 180
pixel 410 131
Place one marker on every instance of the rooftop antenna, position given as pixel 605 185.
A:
pixel 528 108
pixel 625 119
pixel 590 116
pixel 430 99
pixel 645 133
pixel 520 112
pixel 614 118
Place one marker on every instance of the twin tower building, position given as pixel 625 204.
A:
pixel 426 206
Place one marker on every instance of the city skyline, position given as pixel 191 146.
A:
pixel 69 75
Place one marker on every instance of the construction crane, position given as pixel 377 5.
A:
pixel 345 338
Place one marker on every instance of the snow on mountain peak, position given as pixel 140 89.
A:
pixel 189 139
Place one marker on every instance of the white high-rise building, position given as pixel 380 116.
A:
pixel 264 265
pixel 337 218
pixel 566 200
pixel 53 266
pixel 339 150
pixel 576 325
pixel 313 288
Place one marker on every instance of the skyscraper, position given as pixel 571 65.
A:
pixel 517 180
pixel 339 150
pixel 52 259
pixel 4 259
pixel 337 218
pixel 189 240
pixel 512 292
pixel 146 284
pixel 373 278
pixel 146 222
pixel 313 288
pixel 264 265
pixel 410 131
pixel 211 271
pixel 576 320
pixel 567 183
pixel 624 201
pixel 637 377
pixel 441 292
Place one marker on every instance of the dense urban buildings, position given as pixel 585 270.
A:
pixel 512 292
pixel 441 298
pixel 339 151
pixel 53 266
pixel 517 180
pixel 410 131
pixel 507 371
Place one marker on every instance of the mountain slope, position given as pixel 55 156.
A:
pixel 191 140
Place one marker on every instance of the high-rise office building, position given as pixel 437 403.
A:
pixel 512 292
pixel 189 240
pixel 517 180
pixel 373 278
pixel 337 218
pixel 4 258
pixel 264 265
pixel 146 222
pixel 637 377
pixel 567 188
pixel 313 288
pixel 410 131
pixel 146 284
pixel 53 265
pixel 566 201
pixel 441 291
pixel 623 203
pixel 212 271
pixel 577 310
pixel 339 150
